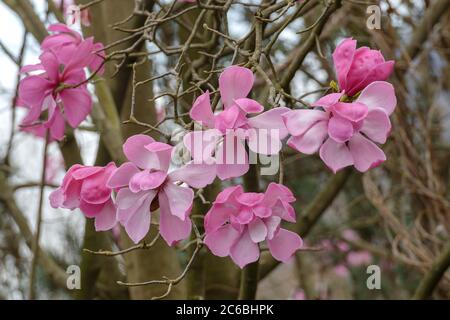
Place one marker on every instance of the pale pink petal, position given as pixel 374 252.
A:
pixel 244 216
pixel 354 111
pixel 221 240
pixel 277 191
pixel 335 155
pixel 379 94
pixel 195 175
pixel 284 210
pixel 311 140
pixel 328 101
pixel 299 121
pixel 271 120
pixel 172 228
pixel 106 219
pixel 262 211
pixel 258 230
pixel 138 224
pixel 284 245
pixel 231 158
pixel 201 110
pixel 217 216
pixel 230 118
pixel 377 125
pixel 235 82
pixel 202 144
pixel 342 59
pixel 134 149
pixel 249 105
pixel 226 194
pixel 122 175
pixel 163 152
pixel 179 199
pixel 250 199
pixel 273 225
pixel 244 250
pixel 127 206
pixel 77 105
pixel 340 129
pixel 147 180
pixel 264 141
pixel 126 199
pixel 366 154
pixel 57 198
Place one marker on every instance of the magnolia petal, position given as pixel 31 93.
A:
pixel 106 219
pixel 179 199
pixel 221 240
pixel 335 155
pixel 377 125
pixel 366 154
pixel 284 244
pixel 340 129
pixel 379 94
pixel 235 82
pixel 311 140
pixel 258 230
pixel 244 250
pixel 201 110
pixel 172 228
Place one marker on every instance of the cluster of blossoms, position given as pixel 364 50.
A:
pixel 238 221
pixel 222 142
pixel 343 126
pixel 58 92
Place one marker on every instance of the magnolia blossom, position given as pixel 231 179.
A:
pixel 84 187
pixel 226 131
pixel 344 132
pixel 237 222
pixel 64 41
pixel 58 90
pixel 145 183
pixel 72 12
pixel 357 68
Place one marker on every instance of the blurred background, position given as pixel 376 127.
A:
pixel 396 216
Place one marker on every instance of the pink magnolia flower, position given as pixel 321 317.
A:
pixel 84 187
pixel 57 91
pixel 145 183
pixel 237 222
pixel 226 131
pixel 65 42
pixel 72 13
pixel 357 68
pixel 344 133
